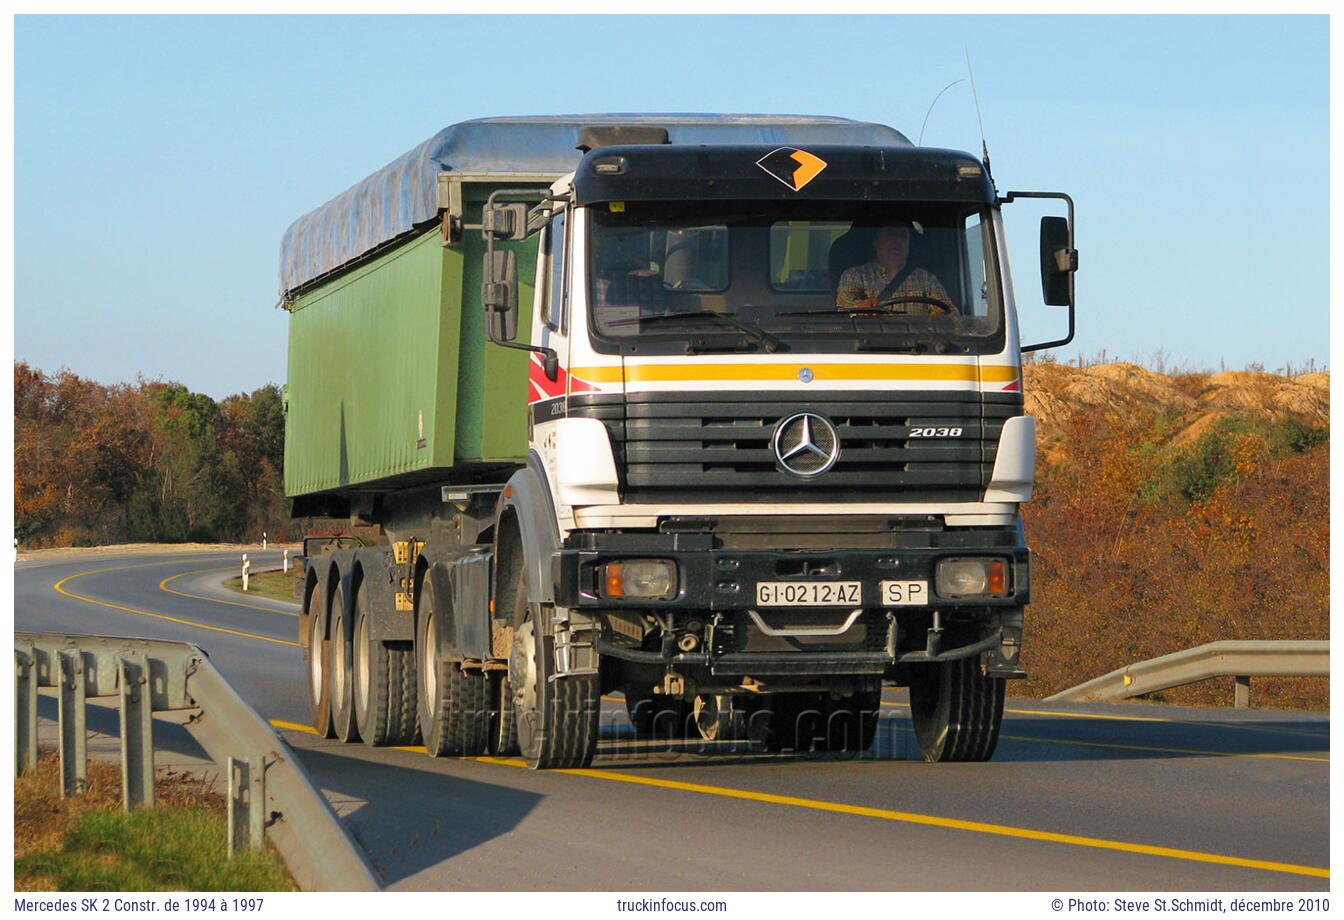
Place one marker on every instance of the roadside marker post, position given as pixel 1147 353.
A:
pixel 286 562
pixel 247 567
pixel 263 539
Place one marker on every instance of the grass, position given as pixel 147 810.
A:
pixel 275 585
pixel 87 843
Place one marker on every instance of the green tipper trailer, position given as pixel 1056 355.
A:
pixel 388 370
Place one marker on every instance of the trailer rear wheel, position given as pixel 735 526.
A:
pixel 788 722
pixel 719 717
pixel 384 682
pixel 338 674
pixel 655 715
pixel 956 711
pixel 454 716
pixel 318 653
pixel 851 722
pixel 557 720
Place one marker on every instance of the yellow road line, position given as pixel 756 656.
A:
pixel 1111 744
pixel 163 586
pixel 59 588
pixel 1162 750
pixel 908 817
pixel 1115 718
pixel 1228 725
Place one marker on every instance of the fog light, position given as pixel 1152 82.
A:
pixel 972 578
pixel 640 578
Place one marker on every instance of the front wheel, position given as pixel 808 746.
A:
pixel 556 719
pixel 956 711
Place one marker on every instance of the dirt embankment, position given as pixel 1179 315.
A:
pixel 1191 403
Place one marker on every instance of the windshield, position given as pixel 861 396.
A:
pixel 673 277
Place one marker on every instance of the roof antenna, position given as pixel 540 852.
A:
pixel 984 147
pixel 920 142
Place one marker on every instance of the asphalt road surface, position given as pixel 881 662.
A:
pixel 1077 798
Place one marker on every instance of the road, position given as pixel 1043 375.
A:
pixel 1077 798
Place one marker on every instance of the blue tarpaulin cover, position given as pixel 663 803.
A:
pixel 404 194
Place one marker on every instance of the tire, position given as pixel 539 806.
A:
pixel 658 716
pixel 503 728
pixel 339 672
pixel 318 652
pixel 957 711
pixel 557 720
pixel 383 679
pixel 454 715
pixel 851 722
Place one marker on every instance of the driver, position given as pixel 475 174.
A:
pixel 889 278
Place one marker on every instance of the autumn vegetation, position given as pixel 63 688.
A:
pixel 1170 509
pixel 1174 510
pixel 153 462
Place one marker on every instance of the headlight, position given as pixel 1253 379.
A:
pixel 640 578
pixel 972 578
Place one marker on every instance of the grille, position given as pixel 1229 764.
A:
pixel 720 446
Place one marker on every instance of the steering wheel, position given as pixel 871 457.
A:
pixel 946 307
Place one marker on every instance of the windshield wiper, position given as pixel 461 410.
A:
pixel 845 312
pixel 768 341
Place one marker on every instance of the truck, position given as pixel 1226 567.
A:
pixel 722 413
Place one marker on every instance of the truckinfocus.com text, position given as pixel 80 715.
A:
pixel 658 905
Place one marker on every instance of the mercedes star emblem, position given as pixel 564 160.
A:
pixel 806 445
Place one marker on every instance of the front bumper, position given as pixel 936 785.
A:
pixel 711 579
pixel 716 602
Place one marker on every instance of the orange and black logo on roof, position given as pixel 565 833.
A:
pixel 794 167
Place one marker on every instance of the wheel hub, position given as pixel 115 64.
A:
pixel 361 664
pixel 315 675
pixel 431 659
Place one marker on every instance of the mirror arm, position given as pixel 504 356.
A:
pixel 550 359
pixel 1067 261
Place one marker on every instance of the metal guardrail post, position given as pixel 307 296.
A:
pixel 152 675
pixel 71 716
pixel 1243 698
pixel 247 804
pixel 137 733
pixel 25 712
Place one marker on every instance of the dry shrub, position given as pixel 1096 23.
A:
pixel 1147 543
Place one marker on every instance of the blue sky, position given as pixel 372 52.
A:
pixel 158 160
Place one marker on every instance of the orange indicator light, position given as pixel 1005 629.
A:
pixel 998 577
pixel 615 585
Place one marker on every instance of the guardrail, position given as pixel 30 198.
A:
pixel 269 791
pixel 1240 659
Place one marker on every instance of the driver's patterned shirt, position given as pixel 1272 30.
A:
pixel 860 286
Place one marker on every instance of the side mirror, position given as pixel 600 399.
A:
pixel 1058 262
pixel 499 295
pixel 505 221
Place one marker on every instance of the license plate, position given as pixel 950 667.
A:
pixel 809 593
pixel 904 593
